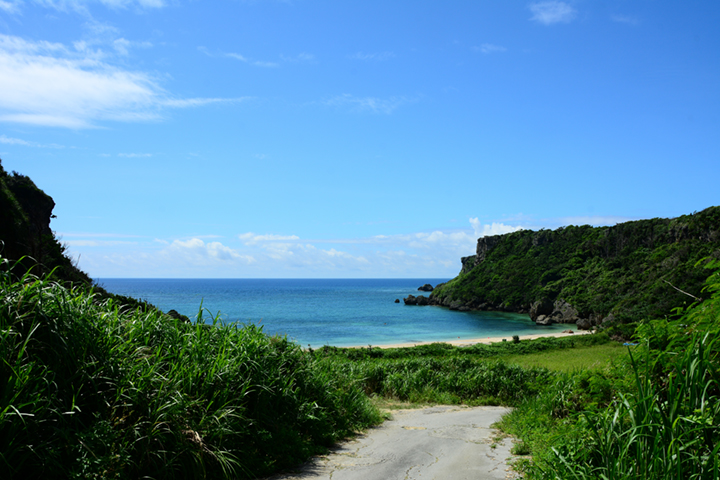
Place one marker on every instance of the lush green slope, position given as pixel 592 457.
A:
pixel 628 270
pixel 90 390
pixel 653 415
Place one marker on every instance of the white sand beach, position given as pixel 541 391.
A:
pixel 464 342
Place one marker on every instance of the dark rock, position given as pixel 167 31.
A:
pixel 422 300
pixel 397 300
pixel 609 319
pixel 464 308
pixel 484 245
pixel 563 312
pixel 583 324
pixel 595 319
pixel 410 300
pixel 540 307
pixel 468 263
pixel 426 288
pixel 456 304
pixel 567 331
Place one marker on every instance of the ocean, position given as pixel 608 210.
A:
pixel 317 312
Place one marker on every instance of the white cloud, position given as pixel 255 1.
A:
pixel 251 238
pixel 43 83
pixel 259 63
pixel 551 12
pixel 10 7
pixel 25 143
pixel 490 48
pixel 97 243
pixel 492 229
pixel 379 56
pixel 367 104
pixel 434 253
pixel 80 5
pixel 195 251
pixel 242 58
pixel 122 46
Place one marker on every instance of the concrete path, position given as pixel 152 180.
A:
pixel 442 443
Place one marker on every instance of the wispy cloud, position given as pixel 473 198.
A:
pixel 552 12
pixel 625 19
pixel 378 56
pixel 252 238
pixel 489 48
pixel 242 58
pixel 10 7
pixel 239 57
pixel 368 104
pixel 135 155
pixel 17 141
pixel 49 84
pixel 79 5
pixel 122 46
pixel 301 57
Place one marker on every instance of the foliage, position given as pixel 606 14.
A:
pixel 478 350
pixel 659 420
pixel 91 389
pixel 442 373
pixel 629 269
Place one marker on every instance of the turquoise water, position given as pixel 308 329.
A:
pixel 317 312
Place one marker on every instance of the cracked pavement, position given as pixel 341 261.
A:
pixel 442 442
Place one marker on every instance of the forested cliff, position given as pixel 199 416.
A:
pixel 587 275
pixel 29 244
pixel 25 214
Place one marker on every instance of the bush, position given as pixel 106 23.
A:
pixel 92 390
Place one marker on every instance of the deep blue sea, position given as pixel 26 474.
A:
pixel 317 312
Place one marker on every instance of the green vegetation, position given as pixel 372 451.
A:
pixel 28 242
pixel 569 360
pixel 93 389
pixel 90 389
pixel 94 385
pixel 628 270
pixel 654 416
pixel 25 234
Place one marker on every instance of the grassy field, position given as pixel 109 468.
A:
pixel 568 360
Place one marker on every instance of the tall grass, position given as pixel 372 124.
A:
pixel 448 380
pixel 89 390
pixel 665 425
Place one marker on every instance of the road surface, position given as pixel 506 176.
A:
pixel 435 443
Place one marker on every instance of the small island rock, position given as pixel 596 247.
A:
pixel 426 288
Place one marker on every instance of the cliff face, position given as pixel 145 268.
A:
pixel 25 214
pixel 588 274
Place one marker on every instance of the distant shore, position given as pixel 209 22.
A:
pixel 465 342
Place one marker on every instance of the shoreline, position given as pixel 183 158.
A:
pixel 472 341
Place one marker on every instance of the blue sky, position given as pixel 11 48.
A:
pixel 352 139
